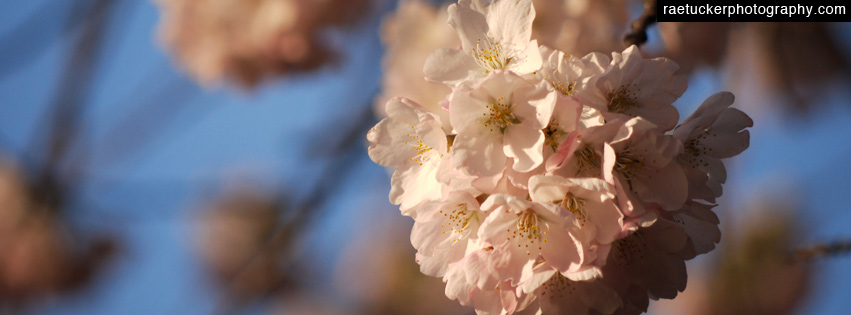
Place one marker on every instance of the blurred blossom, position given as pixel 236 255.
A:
pixel 249 41
pixel 300 302
pixel 579 27
pixel 38 254
pixel 388 280
pixel 234 243
pixel 783 47
pixel 753 273
pixel 796 61
pixel 695 44
pixel 410 35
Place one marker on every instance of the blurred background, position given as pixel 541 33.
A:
pixel 209 156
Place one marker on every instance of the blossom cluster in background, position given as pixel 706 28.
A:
pixel 233 242
pixel 40 255
pixel 540 181
pixel 248 41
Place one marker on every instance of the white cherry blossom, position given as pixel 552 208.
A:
pixel 713 132
pixel 645 164
pixel 554 293
pixel 471 282
pixel 592 203
pixel 520 231
pixel 409 36
pixel 443 230
pixel 701 225
pixel 494 36
pixel 633 86
pixel 412 140
pixel 498 118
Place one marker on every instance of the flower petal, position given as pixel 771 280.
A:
pixel 525 145
pixel 451 67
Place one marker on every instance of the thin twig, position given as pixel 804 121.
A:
pixel 345 154
pixel 76 81
pixel 638 33
pixel 833 248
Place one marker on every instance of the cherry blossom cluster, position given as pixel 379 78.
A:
pixel 549 183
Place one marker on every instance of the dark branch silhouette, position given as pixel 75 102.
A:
pixel 638 28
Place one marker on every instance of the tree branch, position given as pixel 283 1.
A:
pixel 833 248
pixel 638 33
pixel 68 104
pixel 344 155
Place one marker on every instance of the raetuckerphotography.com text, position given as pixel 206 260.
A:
pixel 677 11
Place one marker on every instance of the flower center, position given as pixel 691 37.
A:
pixel 500 115
pixel 695 151
pixel 586 159
pixel 564 87
pixel 527 231
pixel 422 149
pixel 629 249
pixel 575 206
pixel 557 287
pixel 528 225
pixel 622 99
pixel 552 134
pixel 489 54
pixel 457 221
pixel 629 164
